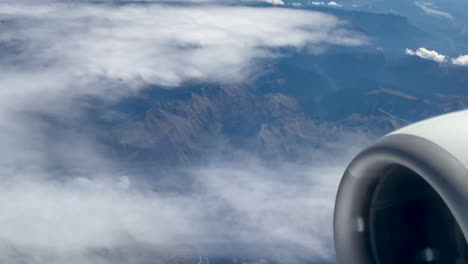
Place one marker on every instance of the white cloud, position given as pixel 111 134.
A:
pixel 285 211
pixel 162 44
pixel 461 60
pixel 427 54
pixel 333 3
pixel 318 3
pixel 275 2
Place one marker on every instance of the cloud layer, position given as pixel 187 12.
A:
pixel 162 44
pixel 241 209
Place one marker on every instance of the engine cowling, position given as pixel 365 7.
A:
pixel 404 199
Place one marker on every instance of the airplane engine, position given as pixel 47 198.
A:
pixel 404 199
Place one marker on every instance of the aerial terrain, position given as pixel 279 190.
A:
pixel 200 131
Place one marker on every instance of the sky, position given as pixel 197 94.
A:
pixel 64 200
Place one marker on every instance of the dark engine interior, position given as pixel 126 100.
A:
pixel 410 223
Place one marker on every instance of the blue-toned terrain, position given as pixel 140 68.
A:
pixel 157 132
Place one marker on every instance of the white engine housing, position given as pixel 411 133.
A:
pixel 404 199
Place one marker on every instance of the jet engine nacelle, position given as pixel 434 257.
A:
pixel 404 199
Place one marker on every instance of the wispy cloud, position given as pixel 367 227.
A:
pixel 247 209
pixel 162 44
pixel 427 54
pixel 430 9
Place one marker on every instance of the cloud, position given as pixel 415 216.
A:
pixel 333 3
pixel 428 8
pixel 427 54
pixel 242 208
pixel 424 53
pixel 162 44
pixel 275 2
pixel 461 60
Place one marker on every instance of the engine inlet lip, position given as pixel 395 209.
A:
pixel 441 170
